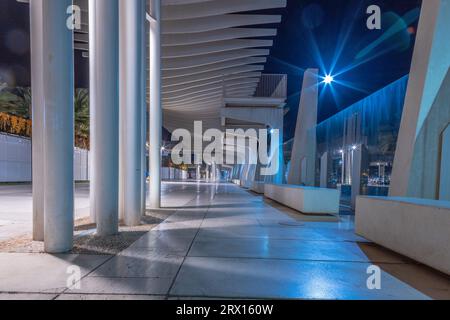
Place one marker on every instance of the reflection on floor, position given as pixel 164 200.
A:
pixel 225 242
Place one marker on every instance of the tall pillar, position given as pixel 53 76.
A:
pixel 359 165
pixel 444 183
pixel 144 120
pixel 58 129
pixel 38 106
pixel 425 114
pixel 198 173
pixel 155 106
pixel 103 46
pixel 324 165
pixel 306 119
pixel 131 23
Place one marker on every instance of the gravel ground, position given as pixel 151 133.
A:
pixel 85 240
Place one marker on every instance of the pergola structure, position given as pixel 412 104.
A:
pixel 200 54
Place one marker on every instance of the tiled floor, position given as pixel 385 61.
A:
pixel 16 207
pixel 228 243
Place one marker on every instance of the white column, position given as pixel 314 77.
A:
pixel 444 179
pixel 324 161
pixel 155 106
pixel 130 52
pixel 37 85
pixel 143 72
pixel 429 67
pixel 306 119
pixel 58 75
pixel 92 95
pixel 103 46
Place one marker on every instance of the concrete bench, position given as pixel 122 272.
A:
pixel 416 228
pixel 258 187
pixel 304 199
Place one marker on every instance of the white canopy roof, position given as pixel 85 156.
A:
pixel 211 49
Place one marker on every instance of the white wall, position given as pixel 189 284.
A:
pixel 15 160
pixel 173 174
pixel 81 164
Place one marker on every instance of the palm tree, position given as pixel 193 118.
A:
pixel 16 101
pixel 81 109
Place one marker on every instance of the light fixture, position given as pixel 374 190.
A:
pixel 354 147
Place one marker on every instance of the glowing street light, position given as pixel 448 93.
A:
pixel 328 79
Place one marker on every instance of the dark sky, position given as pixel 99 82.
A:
pixel 15 47
pixel 313 30
pixel 310 35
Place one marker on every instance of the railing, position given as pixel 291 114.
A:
pixel 272 86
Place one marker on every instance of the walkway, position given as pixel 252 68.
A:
pixel 16 207
pixel 229 243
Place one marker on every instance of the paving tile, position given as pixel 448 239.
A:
pixel 126 286
pixel 26 296
pixel 42 273
pixel 291 250
pixel 261 232
pixel 140 264
pixel 107 297
pixel 260 278
pixel 162 243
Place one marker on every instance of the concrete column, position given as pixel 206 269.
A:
pixel 38 107
pixel 324 160
pixel 444 183
pixel 58 132
pixel 103 46
pixel 155 106
pixel 306 119
pixel 131 22
pixel 144 120
pixel 92 95
pixel 359 164
pixel 429 70
pixel 198 174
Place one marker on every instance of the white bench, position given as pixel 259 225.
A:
pixel 416 228
pixel 258 187
pixel 305 199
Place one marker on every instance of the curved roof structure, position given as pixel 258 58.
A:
pixel 210 48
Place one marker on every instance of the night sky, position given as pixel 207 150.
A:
pixel 313 33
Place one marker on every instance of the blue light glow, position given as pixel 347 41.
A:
pixel 328 79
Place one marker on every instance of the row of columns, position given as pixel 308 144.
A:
pixel 118 116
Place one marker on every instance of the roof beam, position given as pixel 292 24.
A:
pixel 200 84
pixel 190 93
pixel 210 96
pixel 220 74
pixel 182 39
pixel 198 61
pixel 214 8
pixel 193 98
pixel 213 47
pixel 217 22
pixel 174 74
pixel 194 101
